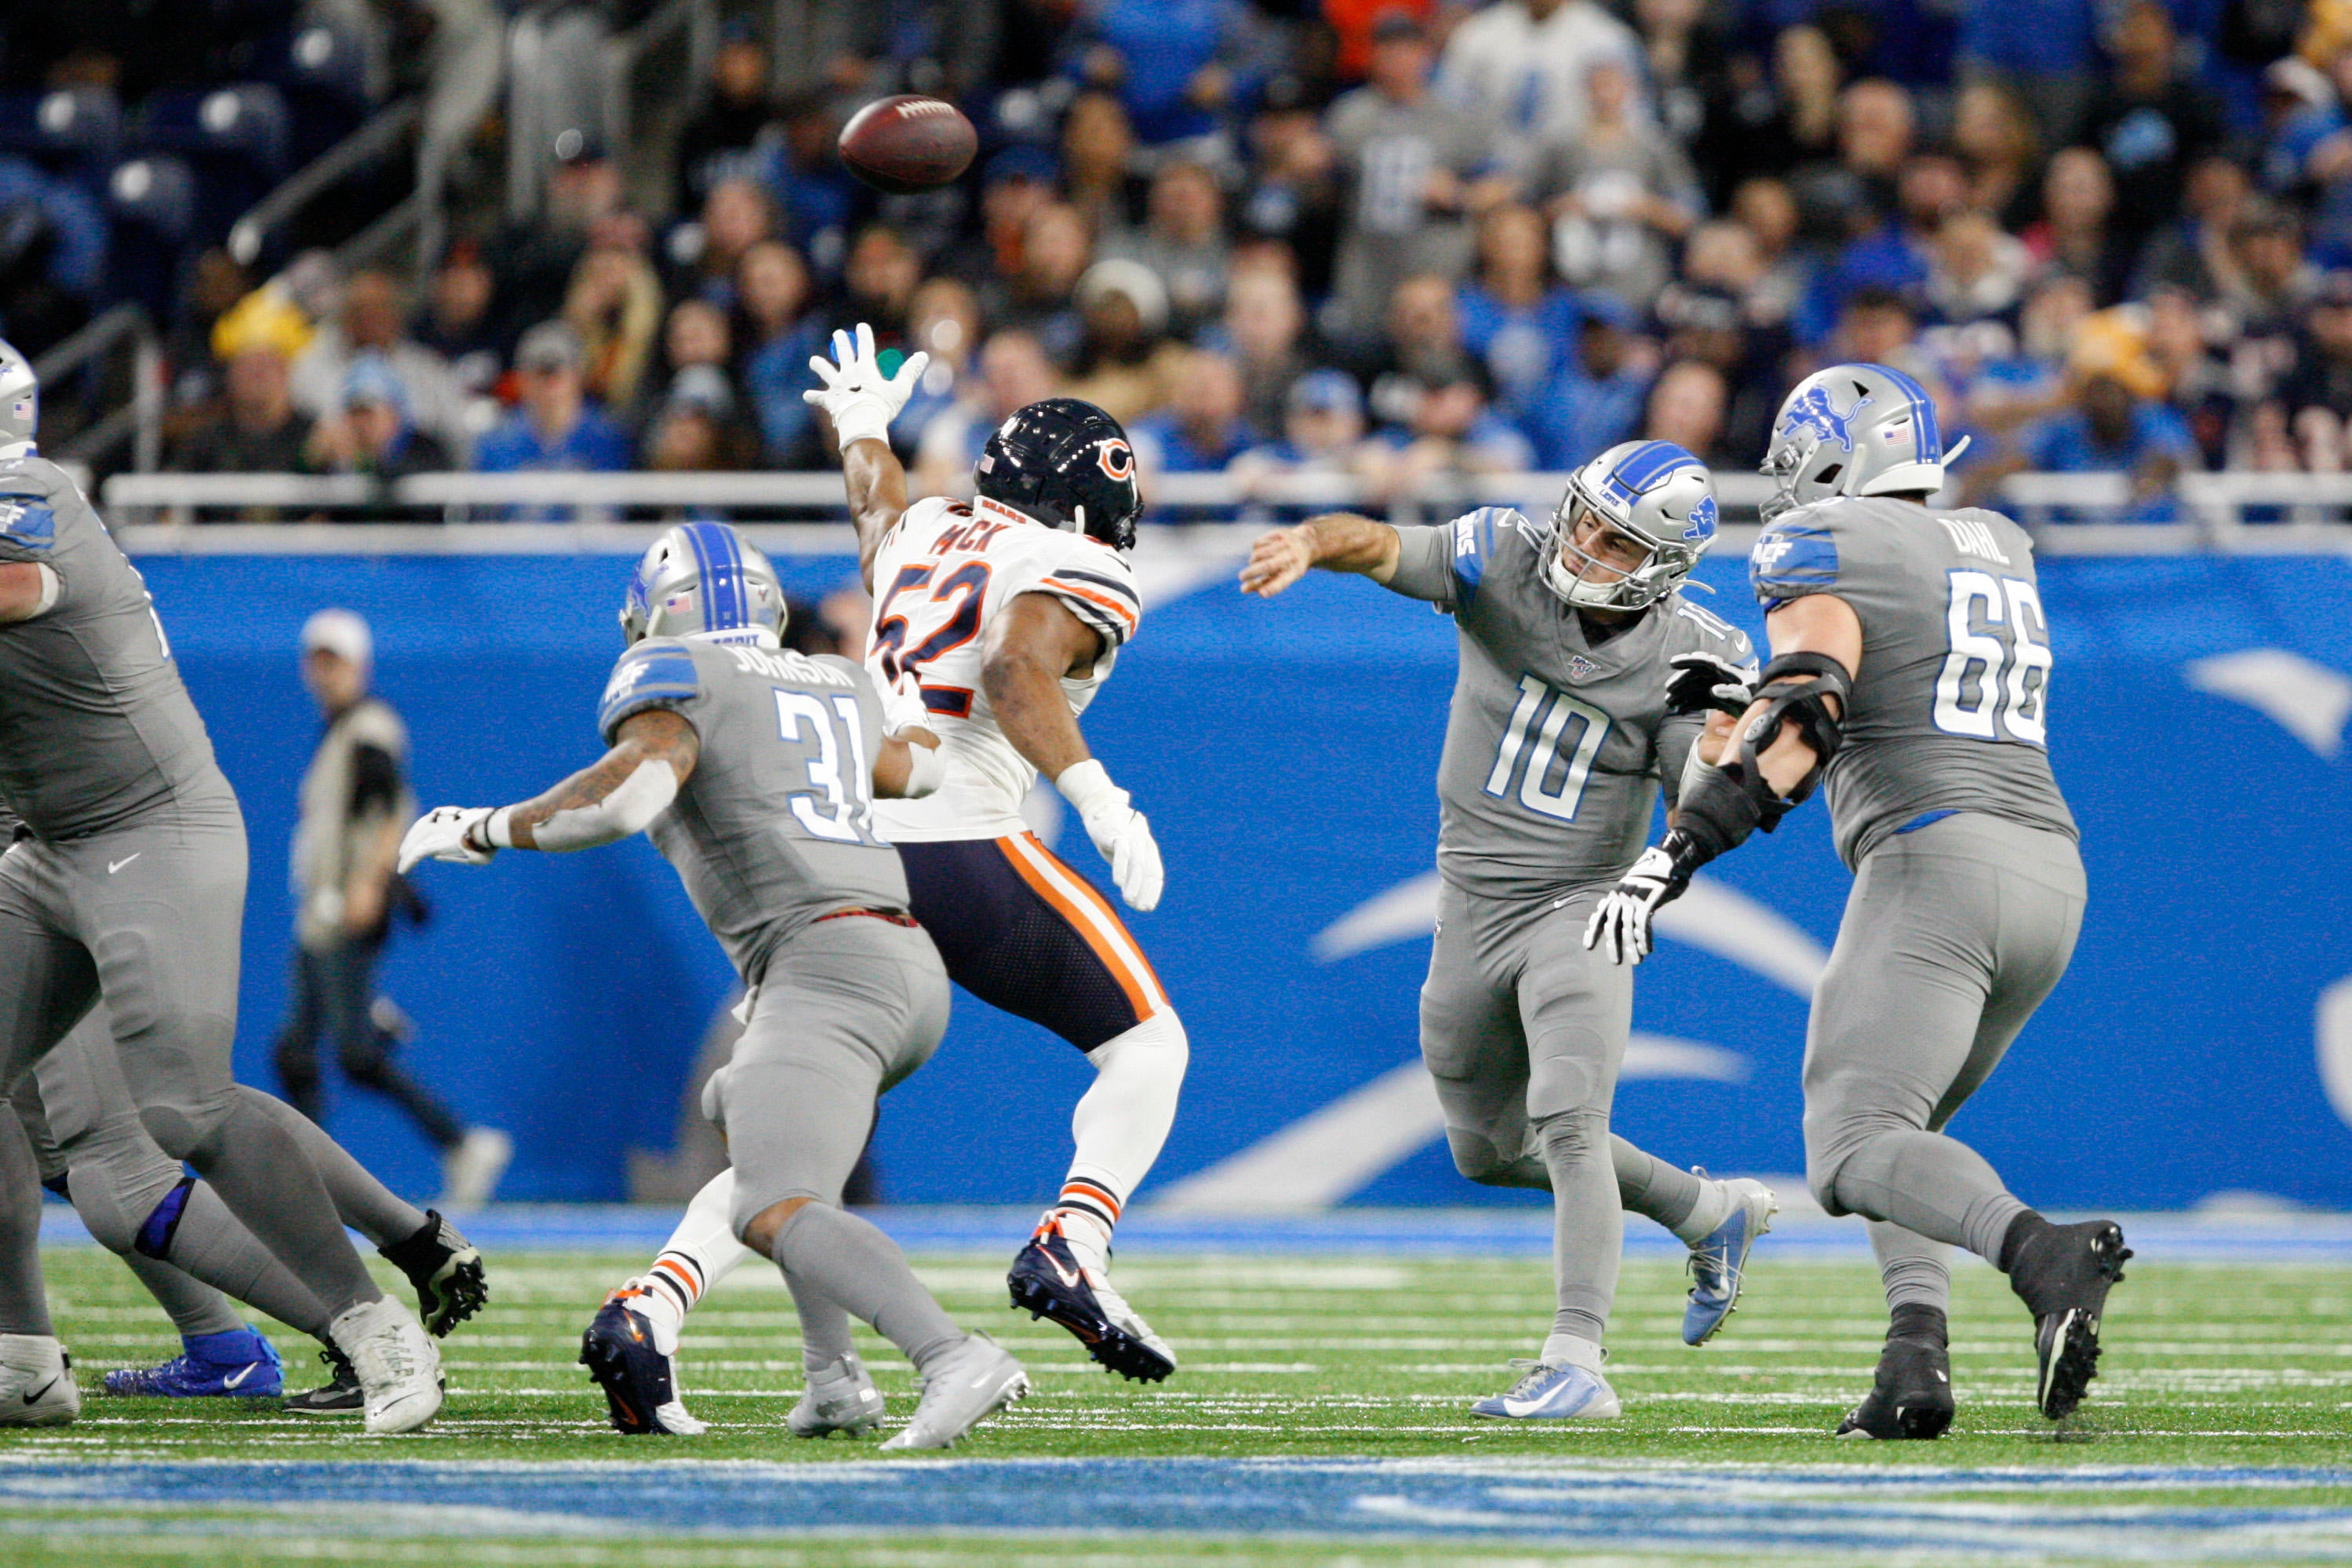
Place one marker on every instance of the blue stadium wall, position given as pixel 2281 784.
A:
pixel 1285 753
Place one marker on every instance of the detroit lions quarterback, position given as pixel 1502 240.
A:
pixel 1911 670
pixel 1004 618
pixel 1559 734
pixel 755 770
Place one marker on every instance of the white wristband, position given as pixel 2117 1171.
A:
pixel 863 418
pixel 499 830
pixel 927 770
pixel 1086 784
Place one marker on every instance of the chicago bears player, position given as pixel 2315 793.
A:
pixel 128 888
pixel 1911 669
pixel 755 770
pixel 1559 736
pixel 1005 616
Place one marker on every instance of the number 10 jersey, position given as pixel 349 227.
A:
pixel 1949 710
pixel 944 571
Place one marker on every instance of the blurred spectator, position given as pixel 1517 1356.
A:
pixel 1687 405
pixel 1013 373
pixel 1851 195
pixel 2150 117
pixel 1757 127
pixel 2196 381
pixel 878 282
pixel 1975 270
pixel 695 336
pixel 1322 433
pixel 943 322
pixel 1600 400
pixel 1452 434
pixel 1295 190
pixel 533 259
pixel 1016 185
pixel 1202 430
pixel 1183 240
pixel 215 285
pixel 615 307
pixel 1097 162
pixel 2046 51
pixel 736 108
pixel 1705 325
pixel 2113 432
pixel 1523 69
pixel 2268 291
pixel 2193 250
pixel 554 430
pixel 1410 161
pixel 2317 390
pixel 2078 203
pixel 1424 350
pixel 697 431
pixel 1517 317
pixel 737 215
pixel 257 429
pixel 1126 363
pixel 456 321
pixel 375 320
pixel 53 241
pixel 1035 296
pixel 371 431
pixel 1178 67
pixel 1766 210
pixel 1263 332
pixel 1621 196
pixel 1995 136
pixel 779 335
pixel 803 175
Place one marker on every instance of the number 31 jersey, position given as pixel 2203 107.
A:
pixel 942 574
pixel 1950 706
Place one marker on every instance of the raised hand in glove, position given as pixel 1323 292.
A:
pixel 1703 682
pixel 857 396
pixel 457 833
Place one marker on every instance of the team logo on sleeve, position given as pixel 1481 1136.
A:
pixel 1817 412
pixel 1117 457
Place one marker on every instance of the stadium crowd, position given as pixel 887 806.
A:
pixel 1391 239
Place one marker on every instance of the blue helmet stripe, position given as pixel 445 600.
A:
pixel 1927 439
pixel 1645 465
pixel 692 534
pixel 719 566
pixel 728 555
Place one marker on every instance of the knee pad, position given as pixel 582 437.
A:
pixel 1574 1135
pixel 1157 1046
pixel 1475 1155
pixel 184 1131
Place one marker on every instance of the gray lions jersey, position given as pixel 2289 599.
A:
pixel 96 730
pixel 775 826
pixel 1949 710
pixel 1554 748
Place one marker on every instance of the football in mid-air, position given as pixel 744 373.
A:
pixel 908 142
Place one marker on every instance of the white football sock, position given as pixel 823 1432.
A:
pixel 1119 1126
pixel 1716 1202
pixel 1571 1350
pixel 701 1252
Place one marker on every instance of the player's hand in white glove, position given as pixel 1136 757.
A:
pixel 1620 927
pixel 1703 682
pixel 1119 831
pixel 441 834
pixel 857 396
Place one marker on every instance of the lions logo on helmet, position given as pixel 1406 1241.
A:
pixel 702 579
pixel 1651 492
pixel 1883 441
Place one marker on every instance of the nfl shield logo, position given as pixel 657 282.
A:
pixel 1581 668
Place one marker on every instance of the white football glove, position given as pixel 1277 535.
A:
pixel 1704 683
pixel 1120 834
pixel 440 835
pixel 1621 925
pixel 857 396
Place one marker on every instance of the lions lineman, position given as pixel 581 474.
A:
pixel 1911 665
pixel 1559 737
pixel 755 770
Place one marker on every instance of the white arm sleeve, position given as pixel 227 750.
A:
pixel 632 806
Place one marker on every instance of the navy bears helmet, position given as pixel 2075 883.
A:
pixel 1067 463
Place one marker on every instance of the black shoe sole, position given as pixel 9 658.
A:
pixel 1119 1351
pixel 1915 1423
pixel 355 1404
pixel 466 1291
pixel 2067 1343
pixel 609 1365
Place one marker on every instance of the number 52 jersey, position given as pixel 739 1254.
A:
pixel 1949 710
pixel 944 571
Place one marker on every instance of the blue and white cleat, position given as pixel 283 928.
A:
pixel 239 1364
pixel 1554 1391
pixel 1718 1260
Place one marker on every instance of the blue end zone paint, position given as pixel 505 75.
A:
pixel 1352 1232
pixel 1931 1514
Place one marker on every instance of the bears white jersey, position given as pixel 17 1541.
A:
pixel 942 573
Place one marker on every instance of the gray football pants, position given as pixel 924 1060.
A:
pixel 149 918
pixel 845 1010
pixel 1524 1032
pixel 1953 935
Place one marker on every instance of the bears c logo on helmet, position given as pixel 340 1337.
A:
pixel 1117 457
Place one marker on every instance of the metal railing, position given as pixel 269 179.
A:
pixel 2290 512
pixel 362 149
pixel 136 418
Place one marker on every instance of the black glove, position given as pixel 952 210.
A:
pixel 1703 682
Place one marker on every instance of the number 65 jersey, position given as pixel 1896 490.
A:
pixel 1949 710
pixel 944 571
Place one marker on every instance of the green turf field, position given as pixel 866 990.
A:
pixel 2222 1366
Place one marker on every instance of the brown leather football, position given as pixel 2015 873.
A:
pixel 909 143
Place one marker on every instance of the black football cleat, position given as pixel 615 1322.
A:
pixel 2063 1275
pixel 619 1353
pixel 1048 1281
pixel 1912 1397
pixel 447 1272
pixel 340 1395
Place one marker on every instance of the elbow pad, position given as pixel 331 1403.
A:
pixel 1795 688
pixel 632 806
pixel 927 770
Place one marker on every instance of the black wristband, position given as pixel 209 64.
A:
pixel 1714 817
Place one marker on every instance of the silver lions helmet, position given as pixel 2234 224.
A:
pixel 1652 492
pixel 699 579
pixel 1855 430
pixel 20 403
